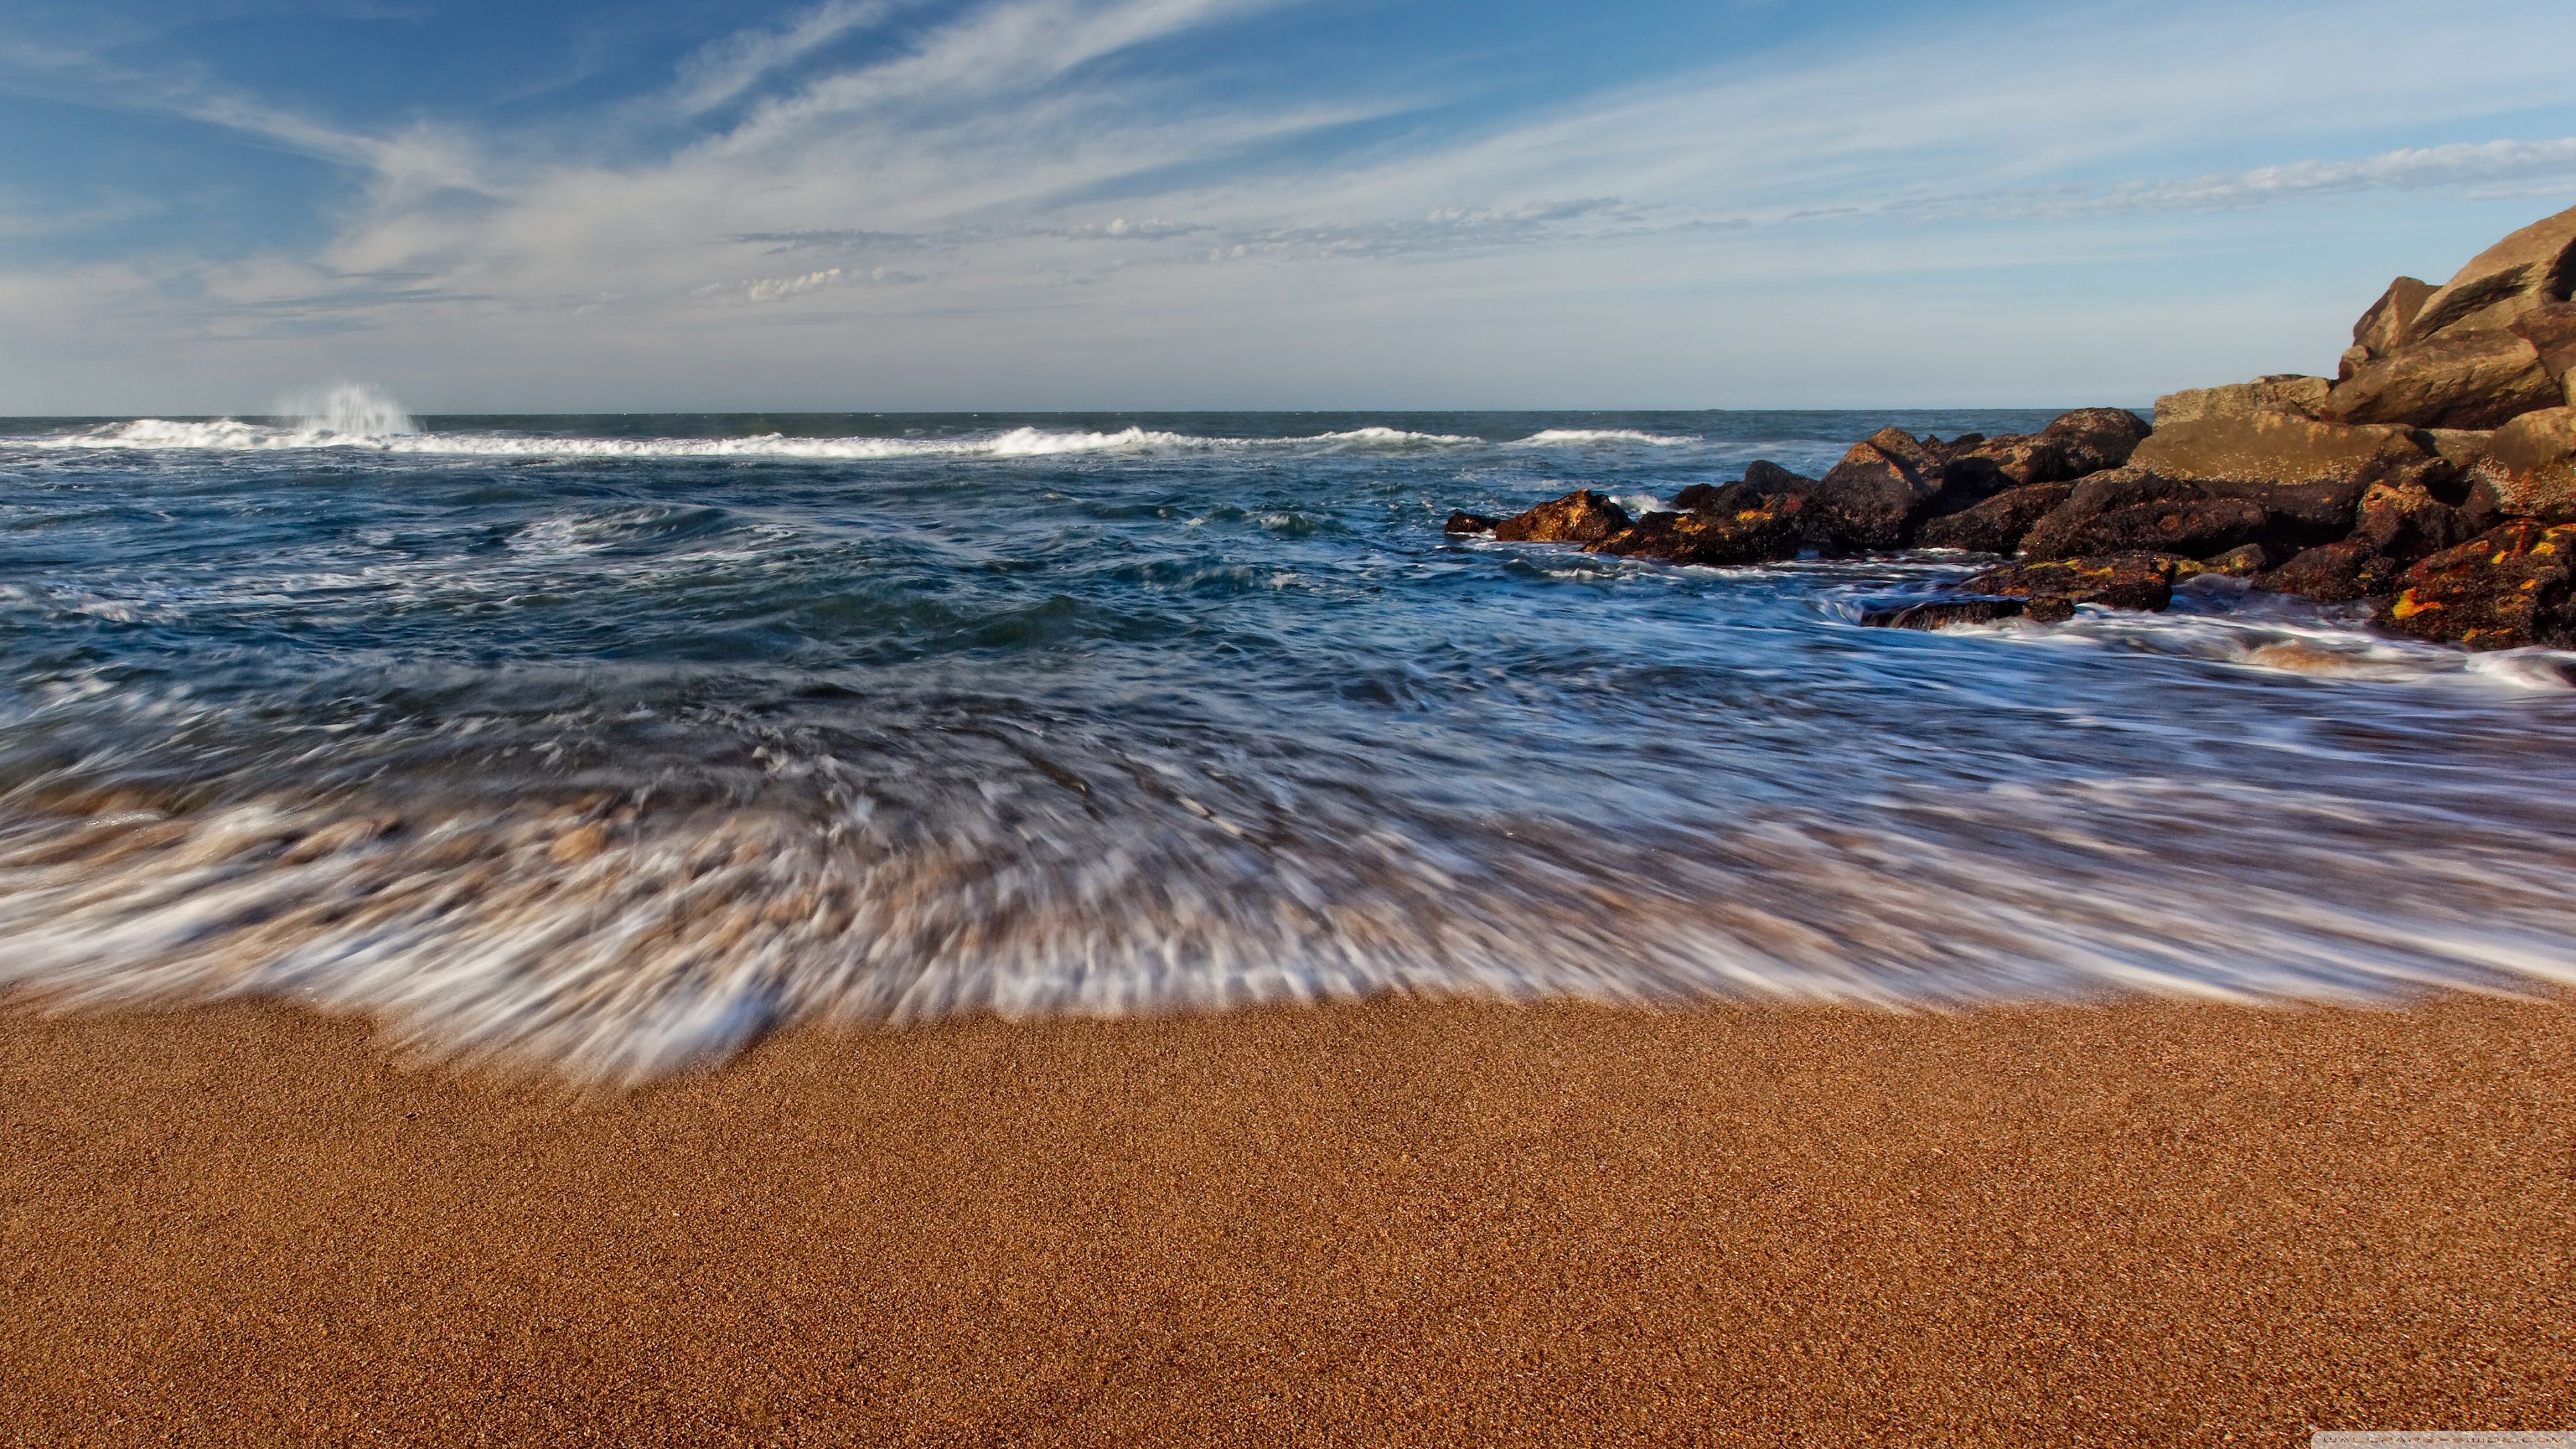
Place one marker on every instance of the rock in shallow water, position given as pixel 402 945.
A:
pixel 2507 588
pixel 2052 589
pixel 1998 524
pixel 1743 536
pixel 1581 516
pixel 1943 613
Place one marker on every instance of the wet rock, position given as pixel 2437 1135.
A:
pixel 2531 467
pixel 1581 516
pixel 1750 535
pixel 1998 524
pixel 2334 573
pixel 2273 447
pixel 1763 480
pixel 2404 521
pixel 2282 392
pixel 2074 444
pixel 2382 329
pixel 1942 613
pixel 1465 522
pixel 2131 510
pixel 2509 587
pixel 2238 563
pixel 2517 276
pixel 2052 589
pixel 1872 498
pixel 2468 380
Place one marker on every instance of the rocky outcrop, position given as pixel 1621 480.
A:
pixel 1887 489
pixel 1581 516
pixel 2531 466
pixel 2469 380
pixel 2274 447
pixel 2517 276
pixel 2051 590
pixel 2284 392
pixel 2136 509
pixel 2509 587
pixel 1999 524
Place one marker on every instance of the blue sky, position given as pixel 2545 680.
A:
pixel 1123 204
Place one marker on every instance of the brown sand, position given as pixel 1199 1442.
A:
pixel 1396 1223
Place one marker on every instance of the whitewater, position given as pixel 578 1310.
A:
pixel 606 744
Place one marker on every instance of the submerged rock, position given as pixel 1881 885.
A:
pixel 1943 613
pixel 1748 535
pixel 2509 587
pixel 1581 516
pixel 2052 589
pixel 1465 522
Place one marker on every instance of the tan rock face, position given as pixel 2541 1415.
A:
pixel 2459 447
pixel 2532 466
pixel 2523 273
pixel 2552 329
pixel 2284 392
pixel 2382 329
pixel 2468 380
pixel 2274 447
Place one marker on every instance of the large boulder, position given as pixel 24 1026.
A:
pixel 2132 510
pixel 2282 392
pixel 2531 466
pixel 2382 329
pixel 1998 524
pixel 2472 379
pixel 2550 328
pixel 1873 497
pixel 2050 590
pixel 1740 536
pixel 2509 587
pixel 2273 447
pixel 1581 516
pixel 2136 508
pixel 2519 275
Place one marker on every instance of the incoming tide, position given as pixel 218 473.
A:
pixel 608 743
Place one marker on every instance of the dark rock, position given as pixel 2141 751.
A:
pixel 1996 525
pixel 2334 573
pixel 1751 535
pixel 2518 275
pixel 1762 480
pixel 2404 521
pixel 1465 522
pixel 2467 380
pixel 2273 447
pixel 1581 516
pixel 2283 392
pixel 2382 329
pixel 2118 581
pixel 1872 498
pixel 2087 440
pixel 1942 613
pixel 2530 468
pixel 2130 510
pixel 2242 562
pixel 2509 587
pixel 2090 440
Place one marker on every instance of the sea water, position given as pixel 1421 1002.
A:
pixel 608 743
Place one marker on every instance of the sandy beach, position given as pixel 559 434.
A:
pixel 1393 1223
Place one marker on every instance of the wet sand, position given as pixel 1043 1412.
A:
pixel 1396 1223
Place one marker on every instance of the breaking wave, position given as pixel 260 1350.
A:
pixel 346 432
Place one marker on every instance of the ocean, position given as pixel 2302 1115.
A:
pixel 606 744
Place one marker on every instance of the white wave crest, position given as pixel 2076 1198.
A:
pixel 233 435
pixel 1581 437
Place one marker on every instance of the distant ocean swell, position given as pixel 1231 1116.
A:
pixel 611 745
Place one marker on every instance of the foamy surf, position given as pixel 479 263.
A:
pixel 229 435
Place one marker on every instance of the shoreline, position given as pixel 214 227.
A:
pixel 1392 1222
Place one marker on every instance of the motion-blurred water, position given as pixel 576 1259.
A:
pixel 608 742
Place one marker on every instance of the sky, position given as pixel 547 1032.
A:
pixel 875 205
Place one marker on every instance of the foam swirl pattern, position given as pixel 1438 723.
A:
pixel 607 744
